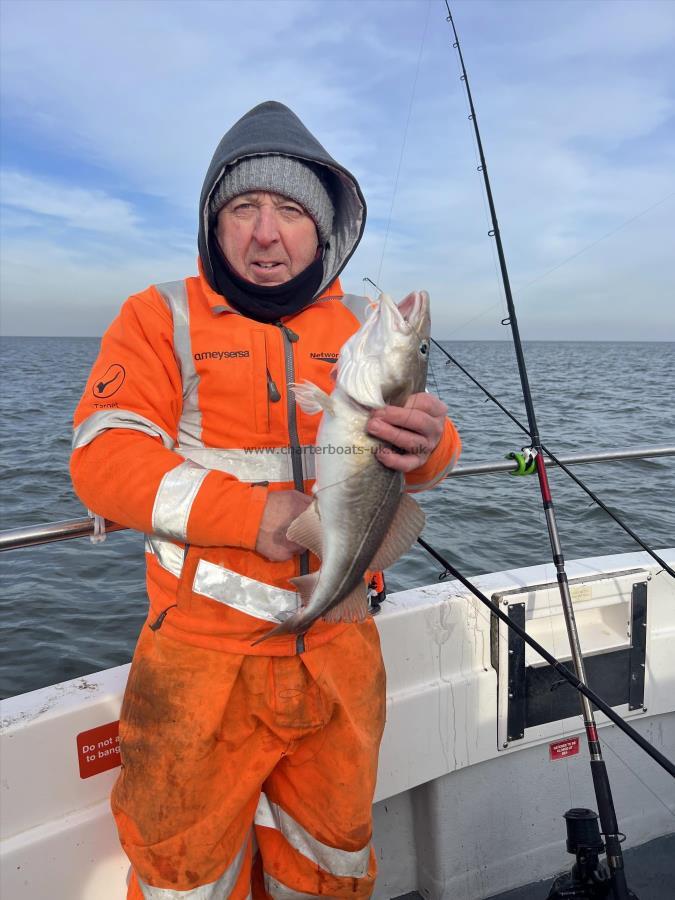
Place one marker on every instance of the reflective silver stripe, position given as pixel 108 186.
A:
pixel 255 598
pixel 105 419
pixel 413 488
pixel 168 555
pixel 190 424
pixel 279 891
pixel 174 499
pixel 343 863
pixel 357 305
pixel 215 890
pixel 256 464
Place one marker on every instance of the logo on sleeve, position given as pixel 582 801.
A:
pixel 110 382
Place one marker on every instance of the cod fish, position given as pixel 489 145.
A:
pixel 360 518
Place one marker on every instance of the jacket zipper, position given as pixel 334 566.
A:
pixel 159 621
pixel 290 338
pixel 273 394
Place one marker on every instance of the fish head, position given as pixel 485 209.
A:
pixel 386 360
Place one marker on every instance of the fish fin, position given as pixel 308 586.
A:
pixel 361 381
pixel 311 399
pixel 306 530
pixel 405 528
pixel 305 585
pixel 354 607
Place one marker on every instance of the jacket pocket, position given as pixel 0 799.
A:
pixel 261 381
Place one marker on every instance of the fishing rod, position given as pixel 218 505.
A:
pixel 601 784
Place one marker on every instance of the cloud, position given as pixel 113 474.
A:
pixel 165 90
pixel 633 30
pixel 73 207
pixel 108 130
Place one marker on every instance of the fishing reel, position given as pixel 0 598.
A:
pixel 525 460
pixel 589 878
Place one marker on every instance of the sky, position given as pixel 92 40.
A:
pixel 110 112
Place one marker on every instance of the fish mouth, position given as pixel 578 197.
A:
pixel 409 315
pixel 387 341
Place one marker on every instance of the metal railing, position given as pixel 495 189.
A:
pixel 34 535
pixel 572 460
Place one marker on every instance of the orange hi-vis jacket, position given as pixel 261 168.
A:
pixel 185 424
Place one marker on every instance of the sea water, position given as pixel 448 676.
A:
pixel 73 608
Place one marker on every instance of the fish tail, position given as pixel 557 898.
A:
pixel 296 624
pixel 300 620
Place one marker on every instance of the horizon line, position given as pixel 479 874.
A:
pixel 646 340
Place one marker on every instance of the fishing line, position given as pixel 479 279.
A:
pixel 528 284
pixel 433 376
pixel 488 310
pixel 635 774
pixel 403 143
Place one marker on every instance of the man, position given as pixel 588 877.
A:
pixel 247 770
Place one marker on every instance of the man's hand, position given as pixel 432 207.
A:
pixel 415 429
pixel 280 510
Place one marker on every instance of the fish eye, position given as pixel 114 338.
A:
pixel 424 348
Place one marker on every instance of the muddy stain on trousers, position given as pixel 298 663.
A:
pixel 250 776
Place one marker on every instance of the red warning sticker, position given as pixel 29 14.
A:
pixel 561 749
pixel 98 749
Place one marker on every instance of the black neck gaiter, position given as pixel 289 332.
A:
pixel 260 302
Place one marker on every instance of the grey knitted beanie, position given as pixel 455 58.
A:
pixel 285 175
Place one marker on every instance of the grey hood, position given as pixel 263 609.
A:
pixel 272 127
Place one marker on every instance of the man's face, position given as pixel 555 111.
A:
pixel 266 238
